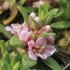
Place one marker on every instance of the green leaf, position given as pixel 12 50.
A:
pixel 30 10
pixel 20 67
pixel 6 57
pixel 46 6
pixel 60 13
pixel 14 60
pixel 24 14
pixel 22 2
pixel 34 24
pixel 65 5
pixel 66 13
pixel 27 62
pixel 14 41
pixel 11 47
pixel 44 34
pixel 62 3
pixel 3 47
pixel 40 66
pixel 52 63
pixel 43 14
pixel 11 3
pixel 50 15
pixel 61 24
pixel 43 8
pixel 2 29
pixel 4 66
pixel 16 66
pixel 40 11
pixel 49 19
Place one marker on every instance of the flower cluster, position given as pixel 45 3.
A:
pixel 35 45
pixel 53 3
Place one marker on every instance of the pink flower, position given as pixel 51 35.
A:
pixel 38 3
pixel 53 3
pixel 15 28
pixel 20 31
pixel 25 35
pixel 40 49
pixel 46 28
pixel 41 28
pixel 33 15
pixel 37 19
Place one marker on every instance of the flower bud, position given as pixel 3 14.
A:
pixel 5 5
pixel 37 19
pixel 50 40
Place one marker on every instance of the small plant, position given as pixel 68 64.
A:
pixel 35 37
pixel 44 31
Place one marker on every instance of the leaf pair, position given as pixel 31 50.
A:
pixel 44 13
pixel 43 10
pixel 50 15
pixel 7 64
pixel 14 64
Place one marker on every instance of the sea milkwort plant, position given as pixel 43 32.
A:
pixel 36 35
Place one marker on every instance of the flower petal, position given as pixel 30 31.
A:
pixel 21 28
pixel 49 50
pixel 25 35
pixel 45 29
pixel 43 56
pixel 50 40
pixel 41 42
pixel 24 25
pixel 8 28
pixel 33 15
pixel 31 44
pixel 15 26
pixel 42 2
pixel 36 5
pixel 32 55
pixel 37 19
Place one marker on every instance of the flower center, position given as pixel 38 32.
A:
pixel 34 36
pixel 18 26
pixel 38 49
